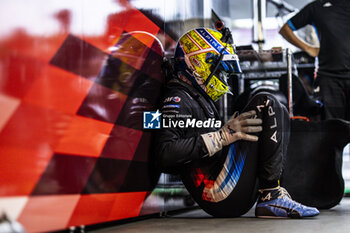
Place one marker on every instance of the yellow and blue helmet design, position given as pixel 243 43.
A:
pixel 206 61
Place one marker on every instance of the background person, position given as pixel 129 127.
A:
pixel 331 19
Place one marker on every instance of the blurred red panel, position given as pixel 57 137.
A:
pixel 58 89
pixel 48 213
pixel 92 209
pixel 144 38
pixel 108 176
pixel 35 128
pixel 118 23
pixel 8 106
pixel 19 74
pixel 84 136
pixel 65 174
pixel 79 57
pixel 139 22
pixel 102 104
pixel 122 143
pixel 100 42
pixel 39 47
pixel 115 25
pixel 127 205
pixel 21 168
pixel 26 146
pixel 142 152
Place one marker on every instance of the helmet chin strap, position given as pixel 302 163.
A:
pixel 216 67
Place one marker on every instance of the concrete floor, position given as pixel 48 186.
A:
pixel 334 220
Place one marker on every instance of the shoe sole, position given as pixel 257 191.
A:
pixel 290 217
pixel 272 217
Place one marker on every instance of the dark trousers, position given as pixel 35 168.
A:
pixel 244 166
pixel 335 95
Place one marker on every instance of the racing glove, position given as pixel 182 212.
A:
pixel 237 128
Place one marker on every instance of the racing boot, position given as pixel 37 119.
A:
pixel 277 203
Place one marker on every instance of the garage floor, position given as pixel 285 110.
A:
pixel 334 220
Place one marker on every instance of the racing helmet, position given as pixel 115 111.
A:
pixel 207 59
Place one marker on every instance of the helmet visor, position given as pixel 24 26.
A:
pixel 230 64
pixel 225 67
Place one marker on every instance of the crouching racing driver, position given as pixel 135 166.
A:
pixel 224 167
